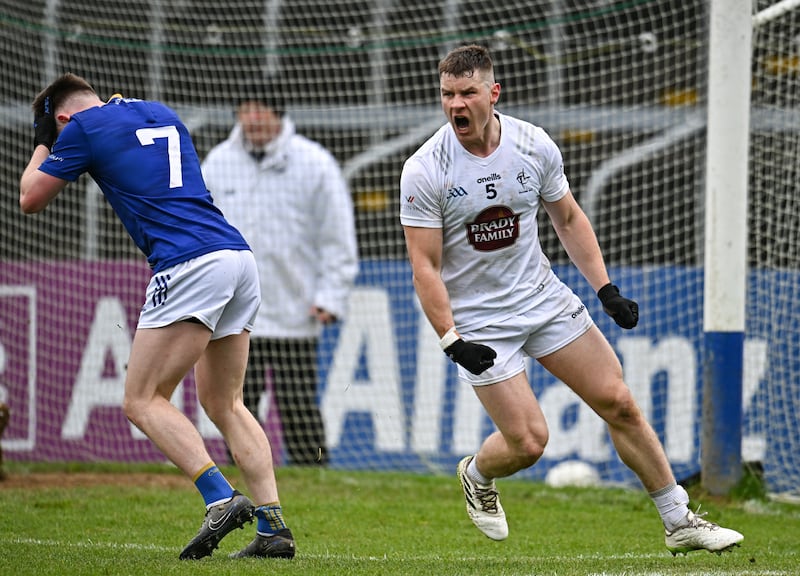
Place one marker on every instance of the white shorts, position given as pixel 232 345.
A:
pixel 560 319
pixel 219 290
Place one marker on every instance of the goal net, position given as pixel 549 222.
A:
pixel 771 385
pixel 619 85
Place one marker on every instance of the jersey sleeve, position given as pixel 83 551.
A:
pixel 70 156
pixel 554 181
pixel 419 204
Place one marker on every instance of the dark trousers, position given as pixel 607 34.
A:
pixel 293 365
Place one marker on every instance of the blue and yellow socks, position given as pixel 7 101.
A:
pixel 213 485
pixel 216 489
pixel 270 519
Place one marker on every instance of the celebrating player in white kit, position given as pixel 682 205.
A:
pixel 469 198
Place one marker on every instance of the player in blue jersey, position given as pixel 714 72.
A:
pixel 200 304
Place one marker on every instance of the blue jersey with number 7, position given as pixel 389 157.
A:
pixel 142 157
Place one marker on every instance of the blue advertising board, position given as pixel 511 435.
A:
pixel 391 399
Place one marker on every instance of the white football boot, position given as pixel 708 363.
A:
pixel 699 534
pixel 483 504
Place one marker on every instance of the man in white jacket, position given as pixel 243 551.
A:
pixel 287 196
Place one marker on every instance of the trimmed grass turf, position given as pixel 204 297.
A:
pixel 354 523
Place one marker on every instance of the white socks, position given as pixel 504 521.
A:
pixel 672 503
pixel 475 475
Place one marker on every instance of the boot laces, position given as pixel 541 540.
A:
pixel 696 520
pixel 488 498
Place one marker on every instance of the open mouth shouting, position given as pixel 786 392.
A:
pixel 461 123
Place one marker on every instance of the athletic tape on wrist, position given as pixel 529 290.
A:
pixel 449 338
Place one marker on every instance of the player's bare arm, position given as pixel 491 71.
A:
pixel 425 253
pixel 37 189
pixel 578 238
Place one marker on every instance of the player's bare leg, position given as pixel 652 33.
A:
pixel 219 376
pixel 521 434
pixel 160 359
pixel 518 443
pixel 589 366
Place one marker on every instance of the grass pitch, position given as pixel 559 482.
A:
pixel 136 521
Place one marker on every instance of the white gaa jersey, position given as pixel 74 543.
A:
pixel 492 261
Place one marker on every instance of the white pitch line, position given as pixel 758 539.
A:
pixel 386 558
pixel 87 544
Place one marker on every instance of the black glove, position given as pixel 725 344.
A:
pixel 474 357
pixel 624 312
pixel 44 126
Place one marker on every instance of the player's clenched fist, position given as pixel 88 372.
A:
pixel 44 126
pixel 474 357
pixel 625 312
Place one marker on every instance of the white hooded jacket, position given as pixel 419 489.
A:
pixel 294 209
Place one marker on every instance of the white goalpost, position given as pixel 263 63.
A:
pixel 725 262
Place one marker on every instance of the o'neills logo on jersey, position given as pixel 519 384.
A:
pixel 495 176
pixel 494 228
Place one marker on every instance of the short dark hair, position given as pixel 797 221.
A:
pixel 60 90
pixel 266 91
pixel 464 60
